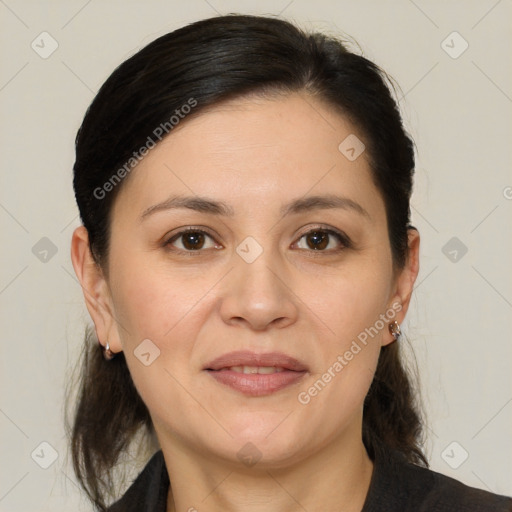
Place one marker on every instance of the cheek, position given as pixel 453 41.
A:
pixel 334 393
pixel 350 301
pixel 168 308
pixel 151 305
pixel 350 308
pixel 152 302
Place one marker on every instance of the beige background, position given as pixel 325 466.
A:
pixel 457 109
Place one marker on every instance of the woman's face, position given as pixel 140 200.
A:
pixel 261 183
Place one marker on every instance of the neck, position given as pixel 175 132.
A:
pixel 334 478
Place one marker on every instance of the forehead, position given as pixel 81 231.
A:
pixel 253 150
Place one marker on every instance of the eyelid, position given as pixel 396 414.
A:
pixel 342 237
pixel 190 228
pixel 168 239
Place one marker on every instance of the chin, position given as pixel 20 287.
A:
pixel 264 441
pixel 260 454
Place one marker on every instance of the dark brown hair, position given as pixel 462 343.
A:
pixel 211 61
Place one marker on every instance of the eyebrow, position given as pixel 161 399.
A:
pixel 301 205
pixel 196 203
pixel 324 202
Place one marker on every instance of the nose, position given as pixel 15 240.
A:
pixel 258 295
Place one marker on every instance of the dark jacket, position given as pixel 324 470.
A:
pixel 396 485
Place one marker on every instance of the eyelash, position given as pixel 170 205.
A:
pixel 342 238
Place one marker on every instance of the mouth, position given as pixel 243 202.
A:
pixel 251 370
pixel 256 374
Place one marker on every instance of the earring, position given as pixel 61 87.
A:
pixel 107 353
pixel 394 329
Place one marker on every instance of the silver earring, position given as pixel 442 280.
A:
pixel 394 330
pixel 107 353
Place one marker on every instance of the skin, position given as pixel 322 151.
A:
pixel 255 154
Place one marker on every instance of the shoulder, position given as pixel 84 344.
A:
pixel 447 494
pixel 149 490
pixel 400 485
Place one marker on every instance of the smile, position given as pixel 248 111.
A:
pixel 254 374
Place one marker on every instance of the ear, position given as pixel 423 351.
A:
pixel 404 283
pixel 96 290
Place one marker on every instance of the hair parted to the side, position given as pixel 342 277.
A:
pixel 211 61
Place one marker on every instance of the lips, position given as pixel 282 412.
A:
pixel 256 374
pixel 251 359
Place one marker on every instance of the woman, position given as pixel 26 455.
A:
pixel 247 260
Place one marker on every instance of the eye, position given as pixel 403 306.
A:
pixel 321 239
pixel 192 240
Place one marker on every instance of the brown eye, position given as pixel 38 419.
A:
pixel 191 240
pixel 317 240
pixel 322 239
